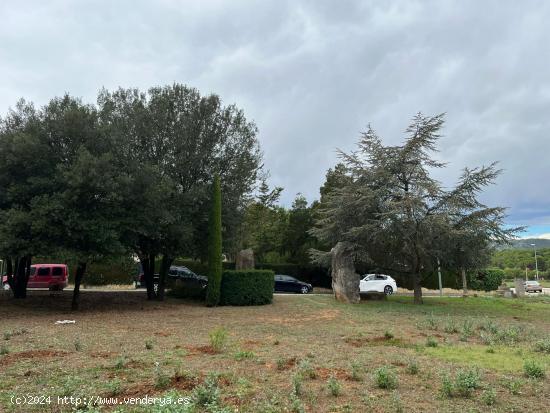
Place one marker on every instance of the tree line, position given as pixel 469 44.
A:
pixel 130 174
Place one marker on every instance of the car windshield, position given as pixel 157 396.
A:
pixel 532 283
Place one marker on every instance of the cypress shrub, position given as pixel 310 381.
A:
pixel 247 287
pixel 215 246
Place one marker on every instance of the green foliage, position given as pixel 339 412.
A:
pixel 243 355
pixel 431 342
pixel 247 287
pixel 466 381
pixel 412 367
pixel 543 345
pixel 488 279
pixel 207 394
pixel 533 369
pixel 306 369
pixel 218 339
pixel 489 396
pixel 213 291
pixel 385 378
pixel 4 350
pixel 334 386
pixel 162 380
pixel 297 382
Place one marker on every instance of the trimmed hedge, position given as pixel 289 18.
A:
pixel 247 287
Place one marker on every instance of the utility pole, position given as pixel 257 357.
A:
pixel 536 261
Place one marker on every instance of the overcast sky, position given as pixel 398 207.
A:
pixel 313 74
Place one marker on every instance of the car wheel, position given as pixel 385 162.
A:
pixel 304 290
pixel 388 290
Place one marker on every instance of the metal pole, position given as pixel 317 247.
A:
pixel 439 276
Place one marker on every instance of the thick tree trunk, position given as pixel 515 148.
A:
pixel 464 282
pixel 164 268
pixel 417 287
pixel 21 276
pixel 80 271
pixel 345 281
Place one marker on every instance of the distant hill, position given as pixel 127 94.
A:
pixel 526 244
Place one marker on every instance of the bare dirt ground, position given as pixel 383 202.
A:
pixel 304 353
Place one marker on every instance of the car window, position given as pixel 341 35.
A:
pixel 43 271
pixel 278 278
pixel 369 277
pixel 380 277
pixel 173 272
pixel 57 271
pixel 33 271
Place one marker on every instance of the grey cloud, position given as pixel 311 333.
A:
pixel 312 74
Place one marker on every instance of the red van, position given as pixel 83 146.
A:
pixel 52 276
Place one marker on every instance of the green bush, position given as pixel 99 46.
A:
pixel 488 279
pixel 248 287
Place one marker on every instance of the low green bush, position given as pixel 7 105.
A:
pixel 247 287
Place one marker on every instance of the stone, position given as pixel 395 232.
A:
pixel 245 260
pixel 345 281
pixel 520 289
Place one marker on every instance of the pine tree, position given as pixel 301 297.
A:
pixel 215 246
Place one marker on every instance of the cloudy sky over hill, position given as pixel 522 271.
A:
pixel 313 74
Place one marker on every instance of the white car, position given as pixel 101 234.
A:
pixel 379 283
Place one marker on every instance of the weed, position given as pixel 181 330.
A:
pixel 396 402
pixel 543 346
pixel 334 387
pixel 412 367
pixel 489 397
pixel 77 345
pixel 114 387
pixel 466 381
pixel 218 338
pixel 70 386
pixel 513 385
pixel 296 405
pixel 7 335
pixel 148 345
pixel 306 370
pixel 467 327
pixel 431 342
pixel 121 362
pixel 533 370
pixel 281 363
pixel 207 394
pixel 4 350
pixel 490 350
pixel 450 326
pixel 297 381
pixel 385 378
pixel 276 342
pixel 388 335
pixel 243 354
pixel 447 387
pixel 356 371
pixel 162 380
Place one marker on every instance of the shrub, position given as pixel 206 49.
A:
pixel 297 381
pixel 77 345
pixel 447 387
pixel 334 386
pixel 7 335
pixel 307 370
pixel 487 279
pixel 248 287
pixel 4 350
pixel 148 345
pixel 467 381
pixel 218 338
pixel 356 371
pixel 207 394
pixel 162 380
pixel 114 387
pixel 385 378
pixel 243 354
pixel 489 397
pixel 213 291
pixel 388 335
pixel 412 367
pixel 533 370
pixel 120 363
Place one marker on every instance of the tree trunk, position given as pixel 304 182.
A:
pixel 417 287
pixel 148 266
pixel 464 283
pixel 80 270
pixel 21 276
pixel 345 282
pixel 164 268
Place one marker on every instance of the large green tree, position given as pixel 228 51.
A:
pixel 397 217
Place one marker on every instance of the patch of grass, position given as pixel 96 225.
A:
pixel 513 385
pixel 149 345
pixel 121 362
pixel 385 378
pixel 243 355
pixel 296 405
pixel 466 381
pixel 533 369
pixel 297 382
pixel 356 371
pixel 396 403
pixel 281 363
pixel 543 346
pixel 207 394
pixel 4 350
pixel 412 367
pixel 306 370
pixel 218 339
pixel 114 387
pixel 77 345
pixel 334 387
pixel 7 335
pixel 431 342
pixel 388 335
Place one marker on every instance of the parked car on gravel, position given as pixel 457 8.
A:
pixel 288 284
pixel 532 287
pixel 377 283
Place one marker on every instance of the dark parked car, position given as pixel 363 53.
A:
pixel 185 275
pixel 288 284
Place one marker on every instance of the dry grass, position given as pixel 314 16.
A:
pixel 296 331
